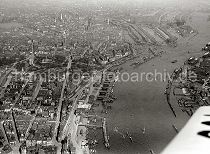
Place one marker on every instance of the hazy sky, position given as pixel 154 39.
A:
pixel 137 2
pixel 184 3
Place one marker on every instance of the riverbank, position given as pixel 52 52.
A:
pixel 143 104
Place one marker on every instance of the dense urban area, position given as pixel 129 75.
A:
pixel 60 62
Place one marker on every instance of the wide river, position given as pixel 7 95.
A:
pixel 143 104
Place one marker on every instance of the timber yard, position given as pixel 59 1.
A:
pixel 65 68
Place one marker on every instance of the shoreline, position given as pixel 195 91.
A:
pixel 145 106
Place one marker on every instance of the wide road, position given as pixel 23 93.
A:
pixel 61 101
pixel 143 104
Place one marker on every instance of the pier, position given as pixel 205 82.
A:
pixel 106 137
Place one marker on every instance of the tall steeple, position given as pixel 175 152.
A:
pixel 64 40
pixel 31 60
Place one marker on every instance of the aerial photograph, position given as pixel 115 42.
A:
pixel 104 76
